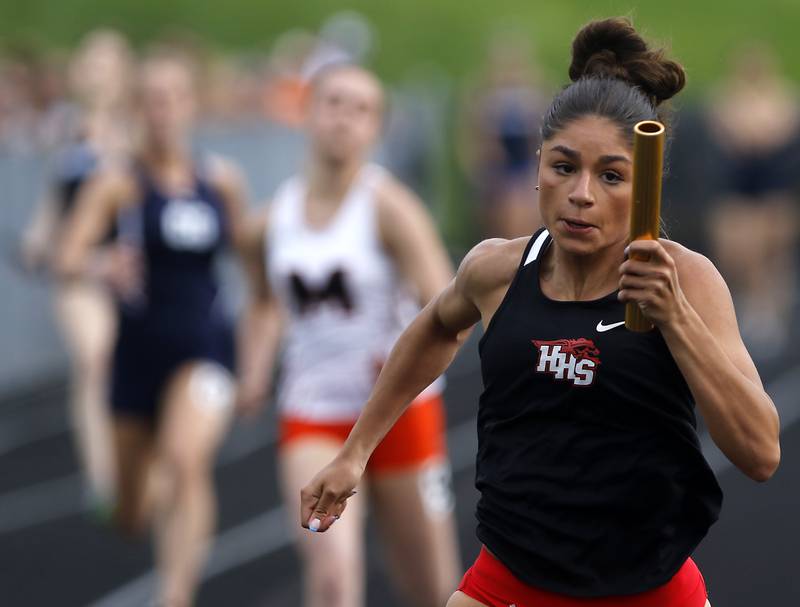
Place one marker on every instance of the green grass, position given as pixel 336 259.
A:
pixel 450 33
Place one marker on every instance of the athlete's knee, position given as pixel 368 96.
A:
pixel 130 516
pixel 336 582
pixel 187 468
pixel 332 570
pixel 92 363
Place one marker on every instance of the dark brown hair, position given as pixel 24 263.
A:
pixel 614 75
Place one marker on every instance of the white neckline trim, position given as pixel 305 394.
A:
pixel 537 247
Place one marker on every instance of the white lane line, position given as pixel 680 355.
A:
pixel 41 503
pixel 244 543
pixel 24 423
pixel 14 435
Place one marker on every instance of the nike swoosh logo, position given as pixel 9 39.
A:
pixel 601 327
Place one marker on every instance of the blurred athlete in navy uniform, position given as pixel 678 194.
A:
pixel 173 384
pixel 594 490
pixel 100 79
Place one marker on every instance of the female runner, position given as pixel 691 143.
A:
pixel 100 77
pixel 593 487
pixel 172 378
pixel 346 244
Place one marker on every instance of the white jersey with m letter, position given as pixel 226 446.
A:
pixel 345 301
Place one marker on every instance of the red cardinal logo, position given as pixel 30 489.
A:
pixel 573 360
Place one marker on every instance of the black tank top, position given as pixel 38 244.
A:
pixel 590 471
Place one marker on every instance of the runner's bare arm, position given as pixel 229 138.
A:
pixel 422 353
pixel 687 298
pixel 97 207
pixel 410 236
pixel 259 328
pixel 262 325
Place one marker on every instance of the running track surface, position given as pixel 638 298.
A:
pixel 51 554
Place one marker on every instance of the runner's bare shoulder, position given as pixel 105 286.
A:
pixel 490 266
pixel 114 188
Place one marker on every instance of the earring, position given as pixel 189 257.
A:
pixel 537 188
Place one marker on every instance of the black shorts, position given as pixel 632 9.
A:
pixel 146 358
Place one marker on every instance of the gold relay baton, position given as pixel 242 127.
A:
pixel 648 166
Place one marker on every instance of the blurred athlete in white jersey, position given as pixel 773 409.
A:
pixel 350 255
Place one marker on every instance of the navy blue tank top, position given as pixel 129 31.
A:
pixel 75 165
pixel 590 471
pixel 179 237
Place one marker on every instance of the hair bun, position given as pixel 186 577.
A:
pixel 612 48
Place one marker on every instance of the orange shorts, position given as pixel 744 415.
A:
pixel 418 436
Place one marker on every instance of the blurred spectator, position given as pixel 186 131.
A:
pixel 287 84
pixel 500 136
pixel 55 122
pixel 44 103
pixel 414 135
pixel 18 107
pixel 753 228
pixel 345 37
pixel 47 101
